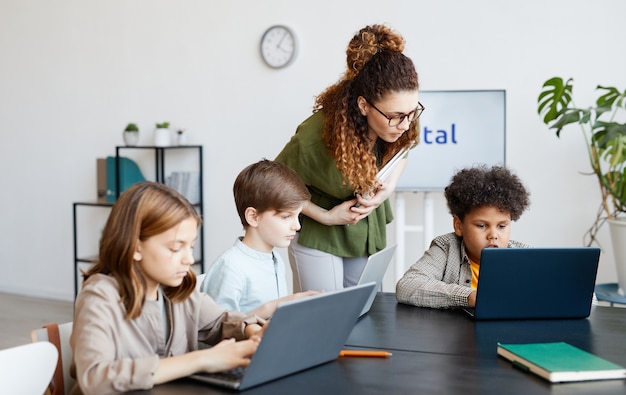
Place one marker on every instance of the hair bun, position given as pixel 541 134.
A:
pixel 368 42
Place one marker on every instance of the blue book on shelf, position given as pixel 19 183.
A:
pixel 129 174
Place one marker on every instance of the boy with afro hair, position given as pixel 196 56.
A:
pixel 483 202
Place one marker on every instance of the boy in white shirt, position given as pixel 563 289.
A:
pixel 269 197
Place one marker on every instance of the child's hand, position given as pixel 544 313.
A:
pixel 471 299
pixel 255 330
pixel 266 310
pixel 298 295
pixel 228 354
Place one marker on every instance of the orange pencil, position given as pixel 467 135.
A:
pixel 364 353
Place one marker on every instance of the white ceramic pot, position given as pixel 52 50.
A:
pixel 617 228
pixel 181 138
pixel 130 138
pixel 162 137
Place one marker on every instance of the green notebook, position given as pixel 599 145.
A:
pixel 559 362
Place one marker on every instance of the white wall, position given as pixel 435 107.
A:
pixel 74 72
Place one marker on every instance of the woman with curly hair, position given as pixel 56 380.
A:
pixel 483 202
pixel 358 125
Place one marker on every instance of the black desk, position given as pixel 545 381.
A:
pixel 444 352
pixel 393 326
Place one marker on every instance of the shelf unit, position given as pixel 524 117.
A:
pixel 160 168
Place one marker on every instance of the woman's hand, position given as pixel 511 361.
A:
pixel 344 214
pixel 352 211
pixel 370 202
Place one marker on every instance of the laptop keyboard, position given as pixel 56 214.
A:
pixel 233 375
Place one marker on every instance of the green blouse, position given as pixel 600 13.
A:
pixel 307 154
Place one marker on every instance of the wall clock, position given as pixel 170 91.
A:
pixel 278 46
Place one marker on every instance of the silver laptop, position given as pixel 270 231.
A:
pixel 302 333
pixel 374 271
pixel 535 283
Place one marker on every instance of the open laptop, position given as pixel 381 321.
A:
pixel 374 271
pixel 535 283
pixel 302 333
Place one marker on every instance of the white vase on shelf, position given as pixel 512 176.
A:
pixel 181 137
pixel 162 137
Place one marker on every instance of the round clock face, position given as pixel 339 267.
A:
pixel 278 46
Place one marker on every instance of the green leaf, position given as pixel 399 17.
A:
pixel 554 100
pixel 605 138
pixel 605 132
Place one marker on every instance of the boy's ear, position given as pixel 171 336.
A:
pixel 458 226
pixel 251 216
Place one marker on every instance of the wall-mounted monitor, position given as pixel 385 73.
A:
pixel 458 129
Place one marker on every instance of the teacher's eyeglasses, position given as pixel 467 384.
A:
pixel 399 118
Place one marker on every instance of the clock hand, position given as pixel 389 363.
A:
pixel 281 40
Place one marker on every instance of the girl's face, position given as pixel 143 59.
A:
pixel 271 228
pixel 167 257
pixel 483 227
pixel 393 104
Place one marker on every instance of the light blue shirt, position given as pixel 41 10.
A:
pixel 242 278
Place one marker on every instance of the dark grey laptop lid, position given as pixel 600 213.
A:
pixel 374 271
pixel 536 283
pixel 306 332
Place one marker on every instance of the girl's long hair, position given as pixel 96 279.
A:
pixel 144 210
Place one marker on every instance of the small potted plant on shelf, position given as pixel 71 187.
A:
pixel 605 138
pixel 162 135
pixel 131 134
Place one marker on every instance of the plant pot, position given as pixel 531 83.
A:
pixel 181 138
pixel 617 228
pixel 162 137
pixel 130 138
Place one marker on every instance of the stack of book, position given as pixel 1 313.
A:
pixel 187 183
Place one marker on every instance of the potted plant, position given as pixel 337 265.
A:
pixel 131 134
pixel 162 135
pixel 606 147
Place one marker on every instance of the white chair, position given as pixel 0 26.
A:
pixel 59 336
pixel 27 369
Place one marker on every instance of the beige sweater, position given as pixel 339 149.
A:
pixel 114 355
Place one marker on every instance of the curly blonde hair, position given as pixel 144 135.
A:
pixel 376 66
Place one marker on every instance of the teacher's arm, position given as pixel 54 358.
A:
pixel 341 214
pixel 347 213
